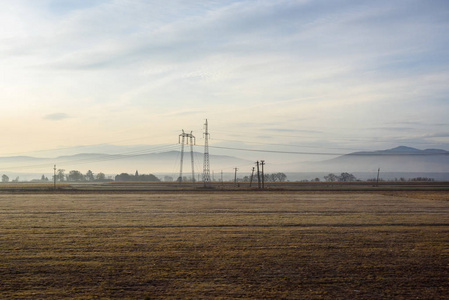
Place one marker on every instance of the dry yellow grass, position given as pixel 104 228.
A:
pixel 224 245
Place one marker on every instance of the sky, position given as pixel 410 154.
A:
pixel 305 76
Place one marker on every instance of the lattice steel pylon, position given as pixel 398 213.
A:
pixel 185 140
pixel 206 165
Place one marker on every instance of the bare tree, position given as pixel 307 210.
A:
pixel 331 177
pixel 100 177
pixel 75 175
pixel 5 178
pixel 89 176
pixel 60 176
pixel 346 177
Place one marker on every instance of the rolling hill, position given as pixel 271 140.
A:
pixel 399 159
pixel 118 163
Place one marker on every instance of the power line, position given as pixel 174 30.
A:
pixel 350 139
pixel 288 145
pixel 102 157
pixel 137 153
pixel 275 151
pixel 334 154
pixel 142 152
pixel 110 143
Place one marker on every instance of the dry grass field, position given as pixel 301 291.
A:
pixel 206 245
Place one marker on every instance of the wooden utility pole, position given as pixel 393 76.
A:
pixel 258 175
pixel 235 176
pixel 262 162
pixel 54 177
pixel 377 181
pixel 251 179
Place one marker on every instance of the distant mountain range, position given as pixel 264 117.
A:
pixel 168 162
pixel 399 159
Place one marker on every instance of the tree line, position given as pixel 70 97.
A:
pixel 343 177
pixel 75 175
pixel 136 177
pixel 274 177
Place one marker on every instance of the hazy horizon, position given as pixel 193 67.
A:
pixel 166 160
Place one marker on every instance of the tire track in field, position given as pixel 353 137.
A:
pixel 336 225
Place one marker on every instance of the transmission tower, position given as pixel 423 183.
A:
pixel 185 139
pixel 206 166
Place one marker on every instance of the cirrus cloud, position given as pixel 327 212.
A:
pixel 56 117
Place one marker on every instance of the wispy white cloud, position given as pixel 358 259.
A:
pixel 56 117
pixel 334 67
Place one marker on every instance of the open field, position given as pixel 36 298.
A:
pixel 225 186
pixel 292 245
